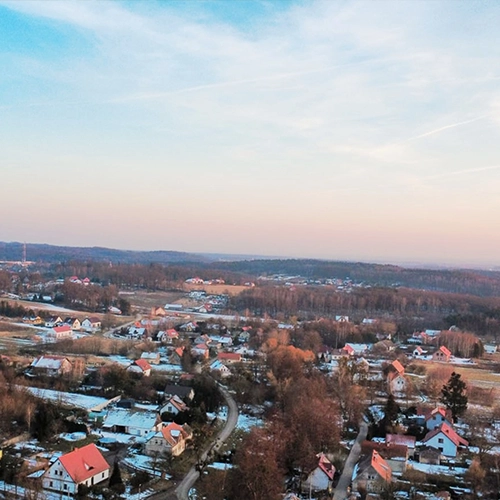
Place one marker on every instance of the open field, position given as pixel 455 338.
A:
pixel 151 299
pixel 217 289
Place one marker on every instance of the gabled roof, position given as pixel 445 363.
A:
pixel 229 356
pixel 48 362
pixel 62 329
pixel 396 365
pixel 449 432
pixel 84 463
pixel 326 466
pixel 381 466
pixel 385 450
pixel 174 433
pixel 177 402
pixel 439 411
pixel 445 351
pixel 402 439
pixel 142 364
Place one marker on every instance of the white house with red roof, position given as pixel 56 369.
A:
pixel 395 378
pixel 84 466
pixel 445 439
pixel 140 366
pixel 320 478
pixel 172 438
pixel 60 332
pixel 442 355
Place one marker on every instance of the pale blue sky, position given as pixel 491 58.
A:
pixel 343 130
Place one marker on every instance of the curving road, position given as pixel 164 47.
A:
pixel 346 477
pixel 232 418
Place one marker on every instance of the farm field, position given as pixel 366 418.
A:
pixel 232 290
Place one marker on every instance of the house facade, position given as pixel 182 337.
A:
pixel 84 465
pixel 445 439
pixel 171 439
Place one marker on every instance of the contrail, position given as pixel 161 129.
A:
pixel 462 172
pixel 446 127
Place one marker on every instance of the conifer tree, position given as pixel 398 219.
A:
pixel 453 395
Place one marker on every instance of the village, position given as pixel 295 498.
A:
pixel 139 402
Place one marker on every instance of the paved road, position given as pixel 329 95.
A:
pixel 346 477
pixel 232 418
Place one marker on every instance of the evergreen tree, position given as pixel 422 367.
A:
pixel 453 395
pixel 115 480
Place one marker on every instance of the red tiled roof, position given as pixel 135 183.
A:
pixel 381 466
pixel 445 350
pixel 173 433
pixel 61 329
pixel 84 463
pixel 229 356
pixel 449 432
pixel 143 364
pixel 398 367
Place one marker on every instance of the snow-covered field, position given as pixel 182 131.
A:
pixel 69 398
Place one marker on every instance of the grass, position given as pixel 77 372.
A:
pixel 217 289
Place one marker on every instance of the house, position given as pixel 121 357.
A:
pixel 442 355
pixel 429 455
pixel 404 440
pixel 151 357
pixel 50 366
pixel 53 321
pixel 127 421
pixel 436 417
pixel 158 311
pixel 372 474
pixel 176 356
pixel 91 325
pixel 140 366
pixel 74 323
pixel 201 350
pixel 221 368
pixel 395 378
pixel 418 352
pixel 136 332
pixel 60 332
pixel 355 349
pixel 84 465
pixel 445 439
pixel 229 357
pixel 173 405
pixel 490 348
pixel 184 392
pixel 320 478
pixel 167 337
pixel 172 438
pixel 396 455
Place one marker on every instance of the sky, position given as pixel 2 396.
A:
pixel 329 129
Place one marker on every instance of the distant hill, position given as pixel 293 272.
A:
pixel 475 282
pixel 52 254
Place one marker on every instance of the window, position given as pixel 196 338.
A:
pixel 102 474
pixel 65 486
pixel 440 440
pixel 51 484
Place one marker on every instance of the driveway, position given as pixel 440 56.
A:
pixel 232 418
pixel 346 477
